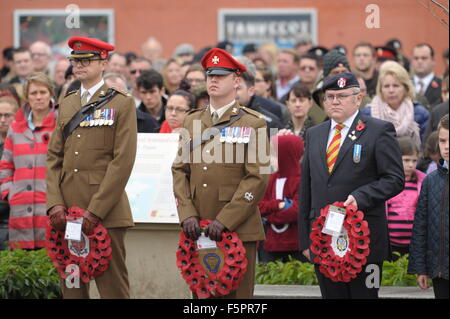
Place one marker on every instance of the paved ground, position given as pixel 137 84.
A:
pixel 313 292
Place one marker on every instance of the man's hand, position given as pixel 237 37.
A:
pixel 307 254
pixel 57 215
pixel 191 228
pixel 215 230
pixel 351 201
pixel 422 281
pixel 90 221
pixel 284 131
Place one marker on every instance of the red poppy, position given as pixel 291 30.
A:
pixel 434 85
pixel 360 126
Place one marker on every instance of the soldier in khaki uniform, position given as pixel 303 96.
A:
pixel 225 191
pixel 90 167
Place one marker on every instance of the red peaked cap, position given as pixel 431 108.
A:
pixel 89 47
pixel 219 62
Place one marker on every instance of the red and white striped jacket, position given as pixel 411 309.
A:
pixel 22 178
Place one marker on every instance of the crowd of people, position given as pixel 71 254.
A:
pixel 283 84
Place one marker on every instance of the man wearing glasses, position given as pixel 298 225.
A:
pixel 89 166
pixel 353 159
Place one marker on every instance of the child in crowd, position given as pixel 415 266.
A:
pixel 429 243
pixel 280 203
pixel 401 208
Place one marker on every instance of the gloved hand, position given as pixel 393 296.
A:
pixel 191 228
pixel 57 215
pixel 215 230
pixel 90 221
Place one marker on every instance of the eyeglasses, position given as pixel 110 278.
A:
pixel 134 71
pixel 7 116
pixel 194 80
pixel 177 110
pixel 83 62
pixel 339 97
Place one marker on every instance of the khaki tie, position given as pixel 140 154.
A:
pixel 422 87
pixel 84 97
pixel 215 117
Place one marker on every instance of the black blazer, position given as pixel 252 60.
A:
pixel 377 177
pixel 433 94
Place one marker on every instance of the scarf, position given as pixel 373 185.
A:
pixel 402 118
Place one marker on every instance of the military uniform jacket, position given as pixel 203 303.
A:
pixel 91 167
pixel 228 191
pixel 374 178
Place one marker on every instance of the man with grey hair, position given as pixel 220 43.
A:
pixel 41 54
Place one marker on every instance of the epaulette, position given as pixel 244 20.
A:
pixel 252 112
pixel 126 93
pixel 197 110
pixel 69 93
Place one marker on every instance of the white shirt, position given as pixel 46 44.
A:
pixel 282 90
pixel 426 82
pixel 92 90
pixel 348 123
pixel 222 110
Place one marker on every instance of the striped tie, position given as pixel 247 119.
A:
pixel 333 148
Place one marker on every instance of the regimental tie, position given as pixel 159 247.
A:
pixel 333 148
pixel 84 98
pixel 215 117
pixel 422 87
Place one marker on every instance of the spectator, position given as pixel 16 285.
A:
pixel 8 108
pixel 117 63
pixel 245 96
pixel 445 58
pixel 364 61
pixel 309 70
pixel 383 54
pixel 135 70
pixel 22 169
pixel 400 209
pixel 152 50
pixel 425 82
pixel 195 75
pixel 439 110
pixel 145 122
pixel 23 65
pixel 59 73
pixel 394 103
pixel 362 85
pixel 201 96
pixel 299 103
pixel 172 76
pixel 184 53
pixel 265 83
pixel 268 52
pixel 41 54
pixel 431 155
pixel 7 72
pixel 178 105
pixel 151 91
pixel 429 244
pixel 402 59
pixel 303 45
pixel 280 203
pixel 250 51
pixel 287 65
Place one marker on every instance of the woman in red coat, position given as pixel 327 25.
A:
pixel 280 204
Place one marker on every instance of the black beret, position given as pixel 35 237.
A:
pixel 340 81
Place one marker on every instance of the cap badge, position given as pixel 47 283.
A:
pixel 78 45
pixel 215 59
pixel 341 82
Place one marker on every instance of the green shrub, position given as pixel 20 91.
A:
pixel 28 275
pixel 296 273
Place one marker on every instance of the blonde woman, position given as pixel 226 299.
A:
pixel 395 102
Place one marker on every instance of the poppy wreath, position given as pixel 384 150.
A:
pixel 92 262
pixel 347 267
pixel 207 284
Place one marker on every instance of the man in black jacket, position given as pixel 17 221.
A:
pixel 353 159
